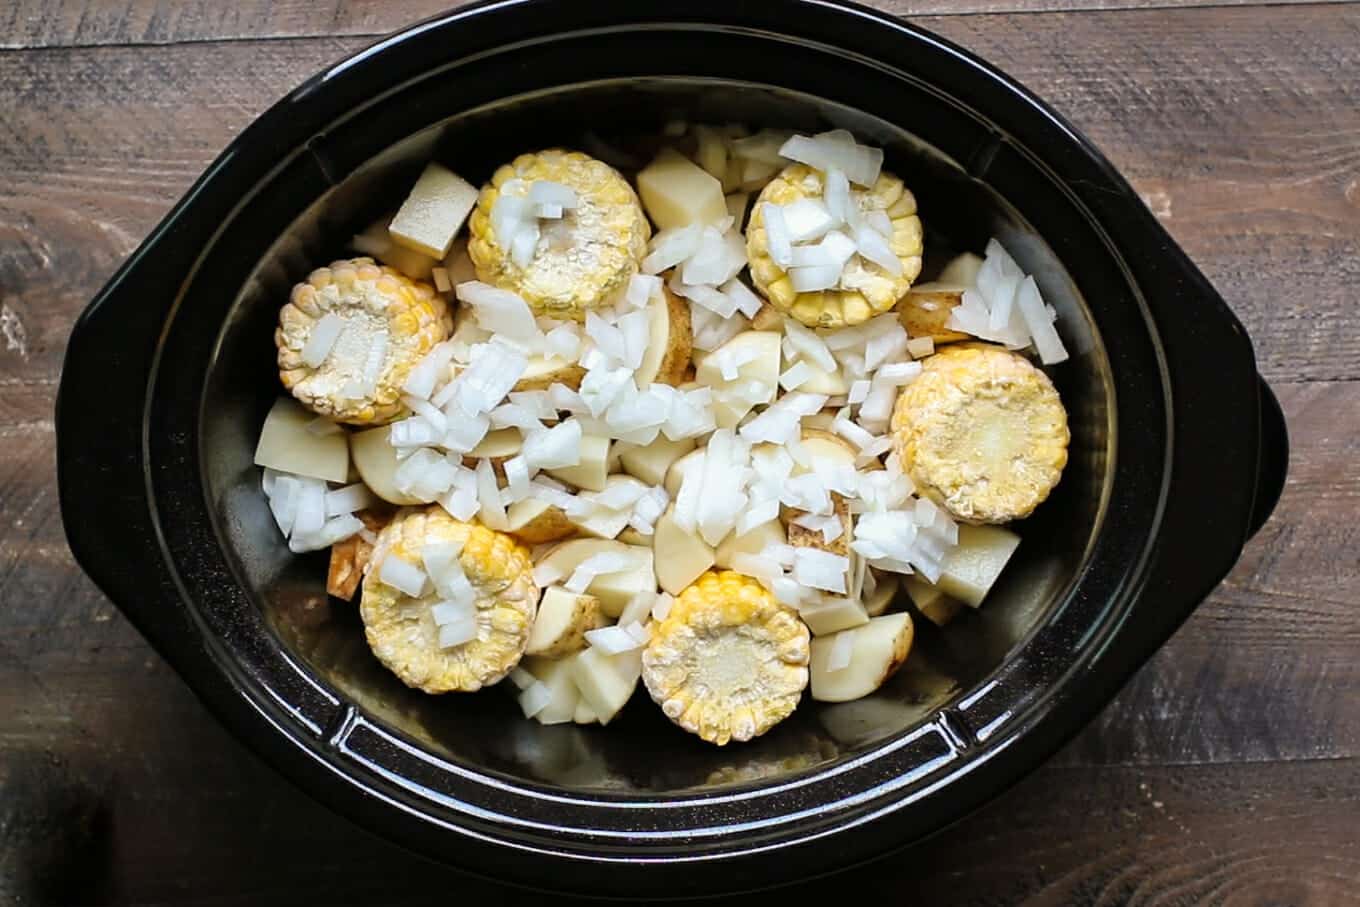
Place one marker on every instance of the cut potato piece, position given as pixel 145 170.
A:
pixel 971 567
pixel 544 371
pixel 676 192
pixel 614 590
pixel 651 463
pixel 761 350
pixel 833 613
pixel 768 318
pixel 932 601
pixel 584 713
pixel 589 474
pixel 563 619
pixel 377 242
pixel 558 676
pixel 497 446
pixel 753 542
pixel 823 382
pixel 820 444
pixel 882 597
pixel 286 444
pixel 878 650
pixel 925 309
pixel 434 212
pixel 675 476
pixel 630 536
pixel 670 341
pixel 680 556
pixel 534 522
pixel 606 682
pixel 962 270
pixel 376 460
pixel 349 558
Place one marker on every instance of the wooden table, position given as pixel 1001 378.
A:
pixel 1227 772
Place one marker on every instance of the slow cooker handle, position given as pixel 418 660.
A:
pixel 1272 458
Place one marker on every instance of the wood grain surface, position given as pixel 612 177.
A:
pixel 1227 772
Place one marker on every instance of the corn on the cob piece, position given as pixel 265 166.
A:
pixel 865 289
pixel 387 323
pixel 401 628
pixel 582 258
pixel 729 662
pixel 982 432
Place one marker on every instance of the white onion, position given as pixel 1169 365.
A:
pixel 757 566
pixel 809 280
pixel 635 327
pixel 349 499
pixel 662 608
pixel 522 678
pixel 492 373
pixel 335 530
pixel 608 338
pixel 498 311
pixel 873 247
pixel 838 659
pixel 403 576
pixel 636 611
pixel 886 346
pixel 620 495
pixel 858 391
pixel 838 150
pixel 373 364
pixel 613 640
pixel 669 248
pixel 1040 324
pixel 427 411
pixel 421 380
pixel 310 515
pixel 795 376
pixel 899 373
pixel 546 574
pixel 747 302
pixel 713 300
pixel 879 220
pixel 466 432
pixel 516 479
pixel 807 219
pixel 322 339
pixel 602 386
pixel 809 344
pixel 921 347
pixel 535 699
pixel 563 397
pixel 837 194
pixel 492 506
pixel 777 236
pixel 554 448
pixel 452 612
pixel 546 192
pixel 641 289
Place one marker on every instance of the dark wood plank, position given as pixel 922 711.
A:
pixel 80 23
pixel 101 141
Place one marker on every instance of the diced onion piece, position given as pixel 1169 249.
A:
pixel 1040 324
pixel 808 280
pixel 525 245
pixel 641 288
pixel 349 499
pixel 498 311
pixel 546 192
pixel 795 376
pixel 421 380
pixel 837 150
pixel 322 339
pixel 535 699
pixel 777 235
pixel 403 576
pixel 808 344
pixel 807 219
pixel 636 611
pixel 873 247
pixel 311 507
pixel 465 433
pixel 445 612
pixel 838 659
pixel 858 391
pixel 613 640
pixel 661 609
pixel 757 566
pixel 879 220
pixel 670 247
pixel 837 195
pixel 636 330
pixel 546 574
pixel 819 569
pixel 522 678
pixel 747 302
pixel 492 506
pixel 377 357
pixel 516 478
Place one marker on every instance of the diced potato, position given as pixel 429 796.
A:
pixel 823 445
pixel 764 346
pixel 675 476
pixel 584 713
pixel 559 677
pixel 878 601
pixel 676 192
pixel 607 524
pixel 924 311
pixel 768 318
pixel 823 382
pixel 832 614
pixel 651 463
pixel 377 243
pixel 590 474
pixel 606 682
pixel 376 459
pixel 970 568
pixel 349 558
pixel 712 151
pixel 931 600
pixel 737 203
pixel 630 536
pixel 562 621
pixel 286 444
pixel 879 648
pixel 434 212
pixel 680 556
pixel 614 590
pixel 753 542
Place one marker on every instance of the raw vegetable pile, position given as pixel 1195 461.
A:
pixel 698 428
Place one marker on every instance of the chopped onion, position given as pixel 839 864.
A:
pixel 757 566
pixel 522 678
pixel 613 640
pixel 872 246
pixel 636 330
pixel 795 376
pixel 377 356
pixel 535 699
pixel 899 373
pixel 465 432
pixel 670 247
pixel 838 150
pixel 662 608
pixel 453 612
pixel 808 280
pixel 837 195
pixel 809 344
pixel 349 499
pixel 555 447
pixel 718 303
pixel 777 235
pixel 921 347
pixel 421 380
pixel 546 574
pixel 884 347
pixel 637 609
pixel 879 220
pixel 403 576
pixel 858 391
pixel 498 311
pixel 322 339
pixel 563 397
pixel 838 659
pixel 492 507
pixel 1040 324
pixel 807 219
pixel 517 479
pixel 546 192
pixel 311 507
pixel 747 302
pixel 335 530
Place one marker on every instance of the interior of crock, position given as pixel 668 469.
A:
pixel 640 750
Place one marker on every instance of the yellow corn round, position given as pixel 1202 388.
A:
pixel 982 432
pixel 372 299
pixel 865 289
pixel 583 258
pixel 729 662
pixel 401 630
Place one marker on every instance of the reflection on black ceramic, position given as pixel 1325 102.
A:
pixel 167 382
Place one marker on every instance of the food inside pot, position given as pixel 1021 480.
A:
pixel 696 427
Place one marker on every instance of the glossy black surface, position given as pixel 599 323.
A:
pixel 1178 451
